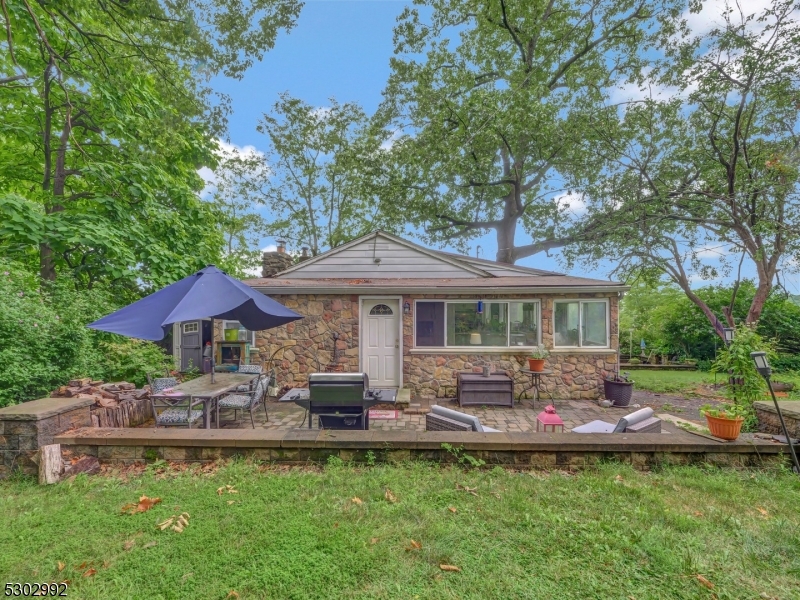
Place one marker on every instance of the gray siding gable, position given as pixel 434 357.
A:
pixel 382 256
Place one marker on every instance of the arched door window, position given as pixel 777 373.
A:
pixel 381 310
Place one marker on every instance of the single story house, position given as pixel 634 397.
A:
pixel 413 317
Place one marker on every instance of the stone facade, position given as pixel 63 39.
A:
pixel 768 421
pixel 332 322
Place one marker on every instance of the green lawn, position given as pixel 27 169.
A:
pixel 684 382
pixel 609 533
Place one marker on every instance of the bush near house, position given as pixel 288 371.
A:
pixel 44 341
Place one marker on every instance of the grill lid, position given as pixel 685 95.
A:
pixel 338 378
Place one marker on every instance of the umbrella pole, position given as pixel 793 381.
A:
pixel 213 351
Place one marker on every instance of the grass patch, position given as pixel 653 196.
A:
pixel 609 533
pixel 685 382
pixel 670 382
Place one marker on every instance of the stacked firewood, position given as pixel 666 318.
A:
pixel 107 395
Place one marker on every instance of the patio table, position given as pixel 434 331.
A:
pixel 205 392
pixel 535 382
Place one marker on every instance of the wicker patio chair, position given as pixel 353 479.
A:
pixel 175 412
pixel 246 400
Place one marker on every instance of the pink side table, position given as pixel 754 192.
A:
pixel 549 418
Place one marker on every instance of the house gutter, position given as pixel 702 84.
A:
pixel 366 290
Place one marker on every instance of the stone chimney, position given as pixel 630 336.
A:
pixel 275 262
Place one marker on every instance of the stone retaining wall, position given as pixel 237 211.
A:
pixel 25 427
pixel 311 344
pixel 521 450
pixel 768 421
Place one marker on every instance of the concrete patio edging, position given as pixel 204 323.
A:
pixel 532 450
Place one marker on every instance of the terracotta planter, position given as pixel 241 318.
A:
pixel 536 364
pixel 726 429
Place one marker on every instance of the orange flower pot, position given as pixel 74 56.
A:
pixel 726 429
pixel 536 364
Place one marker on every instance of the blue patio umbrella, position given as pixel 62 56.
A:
pixel 209 293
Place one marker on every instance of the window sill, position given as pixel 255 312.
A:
pixel 475 350
pixel 578 350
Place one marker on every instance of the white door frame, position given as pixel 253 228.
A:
pixel 362 330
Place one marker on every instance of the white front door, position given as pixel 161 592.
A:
pixel 381 341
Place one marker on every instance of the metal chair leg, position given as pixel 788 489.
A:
pixel 252 419
pixel 266 414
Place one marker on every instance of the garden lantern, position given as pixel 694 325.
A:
pixel 406 308
pixel 729 333
pixel 763 368
pixel 549 418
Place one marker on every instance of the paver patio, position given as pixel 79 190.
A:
pixel 521 418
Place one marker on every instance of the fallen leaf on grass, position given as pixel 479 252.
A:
pixel 496 495
pixel 144 505
pixel 106 564
pixel 357 500
pixel 128 545
pixel 374 541
pixel 705 582
pixel 231 502
pixel 82 566
pixel 232 594
pixel 390 497
pixel 450 568
pixel 452 509
pixel 697 513
pixel 149 545
pixel 61 566
pixel 469 490
pixel 90 573
pixel 618 479
pixel 164 524
pixel 415 545
pixel 762 510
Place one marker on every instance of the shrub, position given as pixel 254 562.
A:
pixel 735 361
pixel 44 341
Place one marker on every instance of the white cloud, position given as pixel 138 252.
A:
pixel 571 202
pixel 269 248
pixel 711 15
pixel 224 149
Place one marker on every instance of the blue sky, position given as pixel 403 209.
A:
pixel 341 49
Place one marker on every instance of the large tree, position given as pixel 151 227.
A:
pixel 319 171
pixel 492 124
pixel 107 116
pixel 713 170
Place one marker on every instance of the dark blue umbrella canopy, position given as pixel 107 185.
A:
pixel 209 293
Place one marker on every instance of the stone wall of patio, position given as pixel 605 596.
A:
pixel 328 338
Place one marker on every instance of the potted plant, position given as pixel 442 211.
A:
pixel 618 388
pixel 724 420
pixel 537 357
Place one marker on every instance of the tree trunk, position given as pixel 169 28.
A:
pixel 757 305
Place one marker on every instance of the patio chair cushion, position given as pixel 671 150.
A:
pixel 464 418
pixel 236 401
pixel 618 427
pixel 256 369
pixel 161 383
pixel 177 415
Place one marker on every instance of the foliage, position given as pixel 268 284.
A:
pixel 44 341
pixel 736 361
pixel 492 122
pixel 733 412
pixel 539 352
pixel 673 522
pixel 669 322
pixel 461 457
pixel 619 377
pixel 709 172
pixel 315 177
pixel 106 119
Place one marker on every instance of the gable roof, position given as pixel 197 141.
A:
pixel 380 261
pixel 457 267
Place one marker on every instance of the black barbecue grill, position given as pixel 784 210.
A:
pixel 340 400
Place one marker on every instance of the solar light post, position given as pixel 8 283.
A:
pixel 763 368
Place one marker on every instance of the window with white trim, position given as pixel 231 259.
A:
pixel 580 324
pixel 470 324
pixel 192 327
pixel 250 338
